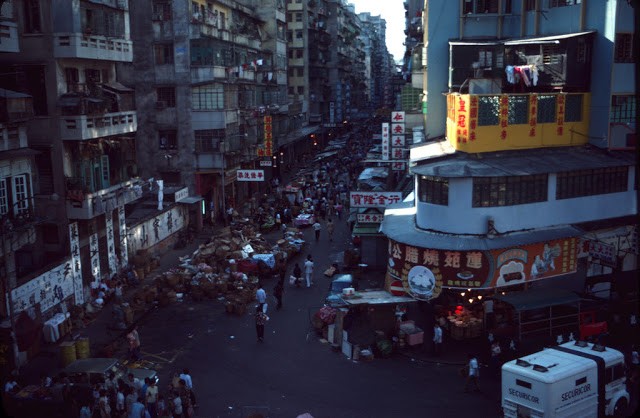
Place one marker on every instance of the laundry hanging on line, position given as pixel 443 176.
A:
pixel 527 74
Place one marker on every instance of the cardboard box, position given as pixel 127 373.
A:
pixel 416 337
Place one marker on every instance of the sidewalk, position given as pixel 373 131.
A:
pixel 98 331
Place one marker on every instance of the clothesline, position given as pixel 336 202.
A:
pixel 527 74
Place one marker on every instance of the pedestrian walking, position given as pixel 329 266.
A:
pixel 261 297
pixel 134 343
pixel 151 398
pixel 330 227
pixel 278 290
pixel 308 270
pixel 188 381
pixel 176 405
pixel 261 319
pixel 473 372
pixel 316 229
pixel 297 274
pixel 437 339
pixel 496 354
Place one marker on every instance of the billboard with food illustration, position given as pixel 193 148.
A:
pixel 424 272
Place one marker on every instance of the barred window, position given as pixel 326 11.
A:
pixel 573 108
pixel 509 191
pixel 433 190
pixel 546 109
pixel 208 140
pixel 168 139
pixel 209 97
pixel 163 53
pixel 623 109
pixel 624 48
pixel 488 110
pixel 518 110
pixel 167 95
pixel 591 182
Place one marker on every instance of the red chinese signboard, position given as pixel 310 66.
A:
pixel 504 116
pixel 461 123
pixel 560 108
pixel 473 117
pixel 268 136
pixel 533 115
pixel 373 199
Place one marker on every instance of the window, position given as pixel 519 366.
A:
pixel 20 194
pixel 300 72
pixel 509 191
pixel 523 383
pixel 167 95
pixel 290 72
pixel 580 183
pixel 298 34
pixel 32 16
pixel 573 108
pixel 518 110
pixel 298 17
pixel 480 6
pixel 614 372
pixel 623 109
pixel 161 10
pixel 546 109
pixel 208 140
pixel 163 53
pixel 209 97
pixel 290 91
pixel 300 89
pixel 299 53
pixel 4 197
pixel 562 3
pixel 433 190
pixel 92 76
pixel 529 5
pixel 488 110
pixel 624 48
pixel 168 139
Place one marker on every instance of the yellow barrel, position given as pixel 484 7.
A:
pixel 67 353
pixel 82 348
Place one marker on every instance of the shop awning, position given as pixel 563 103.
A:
pixel 190 199
pixel 370 230
pixel 377 297
pixel 538 298
pixel 547 39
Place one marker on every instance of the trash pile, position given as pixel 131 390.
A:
pixel 227 268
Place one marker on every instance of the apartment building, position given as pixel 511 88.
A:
pixel 528 179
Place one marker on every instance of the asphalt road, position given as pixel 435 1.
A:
pixel 292 372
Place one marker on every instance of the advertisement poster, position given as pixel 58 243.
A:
pixel 111 246
pixel 122 231
pixel 373 199
pixel 76 262
pixel 94 252
pixel 48 289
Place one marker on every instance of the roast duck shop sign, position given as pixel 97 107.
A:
pixel 424 271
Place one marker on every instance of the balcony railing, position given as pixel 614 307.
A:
pixel 82 205
pixel 86 46
pixel 485 123
pixel 85 127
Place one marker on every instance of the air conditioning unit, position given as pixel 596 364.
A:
pixel 161 105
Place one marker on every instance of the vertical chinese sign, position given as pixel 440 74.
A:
pixel 462 122
pixel 560 115
pixel 94 256
pixel 385 141
pixel 533 114
pixel 397 139
pixel 111 247
pixel 504 116
pixel 76 266
pixel 268 136
pixel 473 117
pixel 122 231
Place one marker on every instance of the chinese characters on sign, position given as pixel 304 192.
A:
pixel 48 290
pixel 397 117
pixel 76 266
pixel 533 115
pixel 604 252
pixel 265 163
pixel 268 136
pixel 111 247
pixel 250 175
pixel 373 199
pixel 396 166
pixel 473 117
pixel 397 139
pixel 385 141
pixel 374 218
pixel 504 116
pixel 560 115
pixel 122 231
pixel 461 123
pixel 94 251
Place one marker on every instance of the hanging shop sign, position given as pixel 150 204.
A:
pixel 76 263
pixel 47 290
pixel 504 116
pixel 560 115
pixel 265 163
pixel 373 199
pixel 397 117
pixel 112 258
pixel 250 175
pixel 370 218
pixel 268 136
pixel 94 252
pixel 385 141
pixel 122 232
pixel 533 114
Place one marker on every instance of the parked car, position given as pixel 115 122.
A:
pixel 340 282
pixel 90 371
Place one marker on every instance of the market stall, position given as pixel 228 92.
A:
pixel 304 219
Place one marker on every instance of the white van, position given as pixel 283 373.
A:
pixel 575 379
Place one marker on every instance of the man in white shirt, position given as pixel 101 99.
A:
pixel 316 228
pixel 308 270
pixel 437 339
pixel 473 374
pixel 261 297
pixel 189 384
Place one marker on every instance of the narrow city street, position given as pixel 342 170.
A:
pixel 292 372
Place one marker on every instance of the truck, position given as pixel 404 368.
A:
pixel 574 379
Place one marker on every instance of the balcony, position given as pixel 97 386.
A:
pixel 486 123
pixel 199 29
pixel 9 36
pixel 86 46
pixel 85 127
pixel 89 205
pixel 15 107
pixel 209 161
